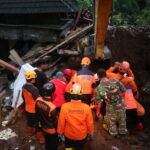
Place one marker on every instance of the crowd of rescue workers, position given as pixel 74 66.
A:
pixel 62 109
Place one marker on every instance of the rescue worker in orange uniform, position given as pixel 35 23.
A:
pixel 68 73
pixel 134 118
pixel 86 79
pixel 75 122
pixel 47 115
pixel 30 93
pixel 122 72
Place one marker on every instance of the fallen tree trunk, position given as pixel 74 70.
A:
pixel 8 66
pixel 76 36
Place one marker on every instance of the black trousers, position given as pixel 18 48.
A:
pixel 75 144
pixel 51 141
pixel 32 121
pixel 86 98
pixel 132 118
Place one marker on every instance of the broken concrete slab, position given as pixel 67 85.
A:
pixel 7 134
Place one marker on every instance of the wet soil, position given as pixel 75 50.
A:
pixel 102 140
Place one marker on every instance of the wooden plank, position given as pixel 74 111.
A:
pixel 12 59
pixel 33 52
pixel 67 52
pixel 15 55
pixel 75 36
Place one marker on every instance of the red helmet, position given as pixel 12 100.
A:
pixel 124 66
pixel 68 72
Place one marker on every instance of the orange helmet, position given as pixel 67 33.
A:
pixel 76 89
pixel 85 61
pixel 124 66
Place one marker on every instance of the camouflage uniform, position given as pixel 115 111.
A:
pixel 110 90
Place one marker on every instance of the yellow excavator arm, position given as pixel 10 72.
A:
pixel 102 12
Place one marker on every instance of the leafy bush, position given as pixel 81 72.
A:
pixel 87 3
pixel 130 12
pixel 143 18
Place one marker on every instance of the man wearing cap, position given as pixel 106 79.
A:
pixel 58 97
pixel 41 77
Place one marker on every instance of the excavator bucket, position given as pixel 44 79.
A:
pixel 102 12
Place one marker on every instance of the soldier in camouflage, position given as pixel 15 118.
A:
pixel 110 91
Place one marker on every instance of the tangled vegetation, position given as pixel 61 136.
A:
pixel 126 12
pixel 131 12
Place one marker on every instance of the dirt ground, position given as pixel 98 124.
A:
pixel 101 140
pixel 133 45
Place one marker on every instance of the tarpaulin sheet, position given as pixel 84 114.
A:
pixel 19 82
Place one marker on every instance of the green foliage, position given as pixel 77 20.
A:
pixel 87 3
pixel 143 18
pixel 117 19
pixel 130 12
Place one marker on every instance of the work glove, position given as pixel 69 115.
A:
pixel 61 137
pixel 90 136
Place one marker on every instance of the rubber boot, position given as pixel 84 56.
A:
pixel 31 130
pixel 139 126
pixel 105 127
pixel 40 137
pixel 104 124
